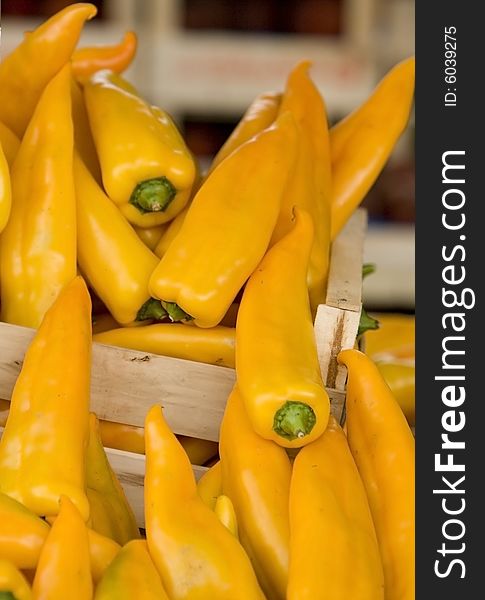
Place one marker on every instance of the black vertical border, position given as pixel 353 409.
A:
pixel 438 129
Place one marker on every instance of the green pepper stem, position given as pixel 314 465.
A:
pixel 153 195
pixel 175 313
pixel 366 322
pixel 152 310
pixel 6 596
pixel 294 420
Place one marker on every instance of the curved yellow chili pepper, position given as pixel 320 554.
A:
pixel 196 556
pixel 132 574
pixel 64 562
pixel 276 355
pixel 5 190
pixel 147 169
pixel 9 142
pixel 110 513
pixel 383 449
pixel 362 142
pixel 38 246
pixel 211 257
pixel 224 510
pixel 214 346
pixel 256 476
pixel 209 486
pixel 37 59
pixel 261 114
pixel 22 534
pixel 102 550
pixel 331 525
pixel 116 262
pixel 13 584
pixel 171 232
pixel 401 379
pixel 310 186
pixel 43 445
pixel 151 236
pixel 117 58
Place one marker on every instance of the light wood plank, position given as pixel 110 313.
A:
pixel 344 288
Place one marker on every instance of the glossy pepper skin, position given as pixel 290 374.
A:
pixel 394 340
pixel 42 447
pixel 37 59
pixel 64 562
pixel 383 449
pixel 147 169
pixel 38 246
pixel 116 262
pixel 362 142
pixel 83 139
pixel 331 525
pixel 256 476
pixel 276 356
pixel 212 346
pixel 224 510
pixel 13 585
pixel 117 58
pixel 22 534
pixel 150 236
pixel 5 190
pixel 132 574
pixel 262 112
pixel 9 142
pixel 209 486
pixel 210 259
pixel 401 378
pixel 110 513
pixel 310 186
pixel 183 532
pixel 171 232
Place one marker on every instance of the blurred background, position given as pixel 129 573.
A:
pixel 205 60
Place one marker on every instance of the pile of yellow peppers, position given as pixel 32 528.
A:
pixel 227 268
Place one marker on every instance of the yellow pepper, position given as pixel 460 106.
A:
pixel 110 513
pixel 38 246
pixel 147 169
pixel 102 550
pixel 83 140
pixel 394 340
pixel 9 142
pixel 103 322
pixel 4 408
pixel 151 236
pixel 213 346
pixel 209 486
pixel 224 510
pixel 228 227
pixel 5 190
pixel 13 585
pixel 117 58
pixel 171 232
pixel 331 525
pixel 64 564
pixel 115 261
pixel 383 449
pixel 43 445
pixel 132 574
pixel 22 534
pixel 401 379
pixel 276 355
pixel 362 142
pixel 196 556
pixel 261 114
pixel 310 186
pixel 37 59
pixel 256 476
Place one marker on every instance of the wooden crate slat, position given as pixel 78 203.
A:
pixel 344 288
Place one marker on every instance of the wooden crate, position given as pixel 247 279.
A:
pixel 126 383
